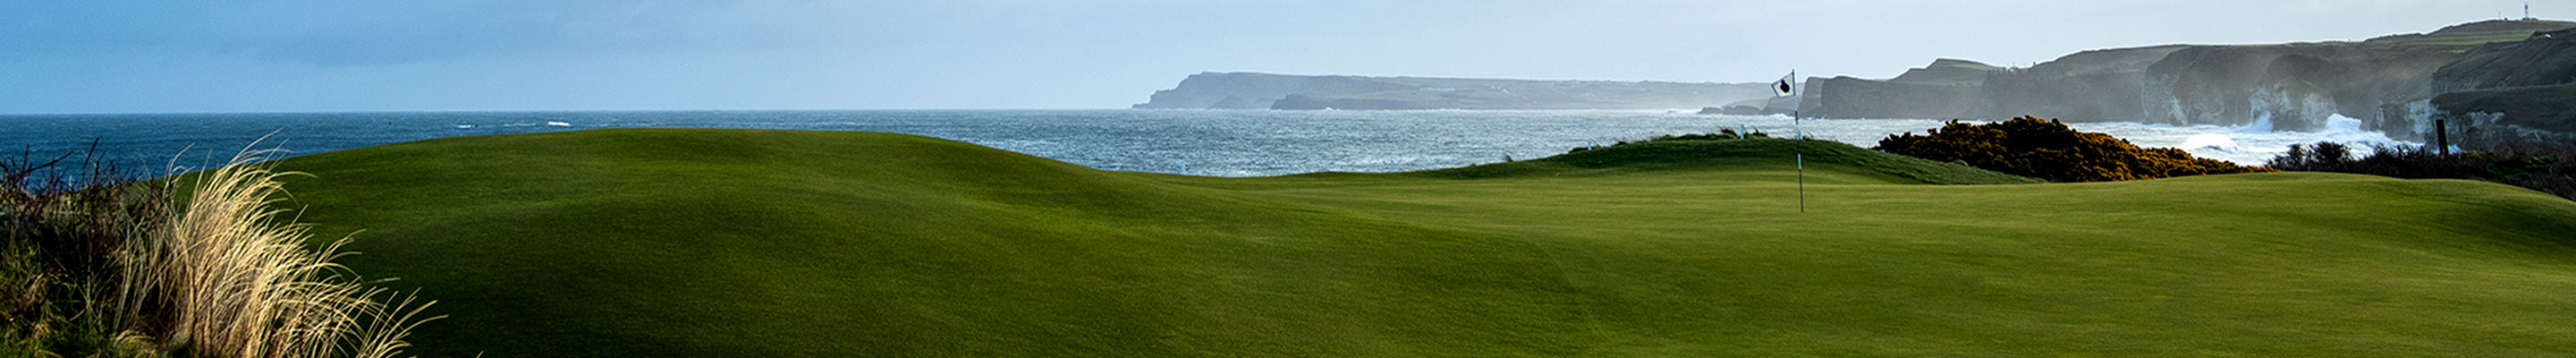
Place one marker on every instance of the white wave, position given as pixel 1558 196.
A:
pixel 2248 144
pixel 2260 124
pixel 2209 141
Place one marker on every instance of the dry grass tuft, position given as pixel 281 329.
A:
pixel 219 275
pixel 232 280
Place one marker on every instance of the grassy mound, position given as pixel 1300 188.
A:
pixel 1760 153
pixel 781 243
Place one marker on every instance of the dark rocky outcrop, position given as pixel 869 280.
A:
pixel 1236 102
pixel 1847 97
pixel 1947 88
pixel 2103 84
pixel 2492 117
pixel 2293 86
pixel 2506 92
pixel 1246 90
pixel 1948 71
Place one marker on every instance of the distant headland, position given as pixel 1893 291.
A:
pixel 1250 90
pixel 2492 82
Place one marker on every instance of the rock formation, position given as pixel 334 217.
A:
pixel 2505 92
pixel 2290 86
pixel 2492 81
pixel 1947 88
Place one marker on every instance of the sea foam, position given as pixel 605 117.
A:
pixel 2253 143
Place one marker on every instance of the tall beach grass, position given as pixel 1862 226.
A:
pixel 194 265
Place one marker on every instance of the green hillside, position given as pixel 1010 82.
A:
pixel 741 243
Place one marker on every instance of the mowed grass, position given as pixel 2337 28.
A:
pixel 743 243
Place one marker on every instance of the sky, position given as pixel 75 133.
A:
pixel 113 56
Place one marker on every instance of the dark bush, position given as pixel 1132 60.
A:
pixel 64 222
pixel 1722 134
pixel 2544 168
pixel 2032 147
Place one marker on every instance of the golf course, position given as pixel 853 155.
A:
pixel 768 243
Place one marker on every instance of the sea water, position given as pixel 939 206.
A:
pixel 1195 142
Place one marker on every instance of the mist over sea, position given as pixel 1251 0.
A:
pixel 1195 142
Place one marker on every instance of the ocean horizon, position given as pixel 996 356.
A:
pixel 1234 143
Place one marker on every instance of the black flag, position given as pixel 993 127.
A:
pixel 1782 88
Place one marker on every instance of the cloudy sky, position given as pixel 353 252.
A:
pixel 114 56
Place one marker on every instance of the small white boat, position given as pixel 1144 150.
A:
pixel 559 124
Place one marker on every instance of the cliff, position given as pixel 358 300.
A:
pixel 2103 84
pixel 2290 86
pixel 1247 90
pixel 2293 86
pixel 1947 88
pixel 1848 97
pixel 2544 58
pixel 2505 92
pixel 2492 117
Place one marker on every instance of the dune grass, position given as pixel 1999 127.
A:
pixel 197 266
pixel 680 242
pixel 228 278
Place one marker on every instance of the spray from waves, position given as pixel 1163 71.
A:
pixel 2261 124
pixel 2209 141
pixel 2248 144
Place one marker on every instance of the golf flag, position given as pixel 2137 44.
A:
pixel 1782 88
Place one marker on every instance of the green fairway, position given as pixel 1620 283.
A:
pixel 743 243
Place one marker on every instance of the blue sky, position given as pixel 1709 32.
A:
pixel 293 56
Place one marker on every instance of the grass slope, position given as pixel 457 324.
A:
pixel 668 242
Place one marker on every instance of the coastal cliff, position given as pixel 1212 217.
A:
pixel 1249 90
pixel 2294 86
pixel 1947 88
pixel 2505 92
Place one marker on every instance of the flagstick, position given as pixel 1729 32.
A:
pixel 1786 87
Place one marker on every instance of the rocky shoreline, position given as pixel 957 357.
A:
pixel 2394 84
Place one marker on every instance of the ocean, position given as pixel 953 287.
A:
pixel 1193 142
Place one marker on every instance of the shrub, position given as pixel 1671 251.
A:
pixel 110 267
pixel 2032 147
pixel 2538 167
pixel 1722 134
pixel 66 228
